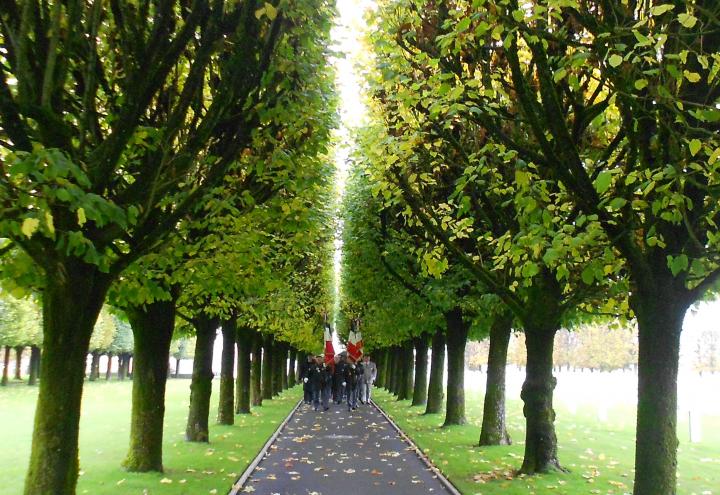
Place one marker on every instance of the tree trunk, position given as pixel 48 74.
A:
pixel 226 409
pixel 396 375
pixel 494 430
pixel 177 367
pixel 152 326
pixel 95 366
pixel 291 369
pixel 6 366
pixel 267 363
pixel 242 386
pixel 278 370
pixel 201 385
pixel 298 364
pixel 130 366
pixel 660 314
pixel 437 370
pixel 537 394
pixel 379 358
pixel 256 370
pixel 72 298
pixel 34 365
pixel 421 368
pixel 108 370
pixel 18 361
pixel 122 360
pixel 457 331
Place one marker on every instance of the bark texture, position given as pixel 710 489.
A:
pixel 457 332
pixel 436 393
pixel 201 386
pixel 152 327
pixel 226 410
pixel 34 365
pixel 18 361
pixel 256 370
pixel 267 363
pixel 242 384
pixel 421 368
pixel 6 366
pixel 494 429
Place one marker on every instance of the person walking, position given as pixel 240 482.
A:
pixel 305 377
pixel 368 379
pixel 351 379
pixel 315 379
pixel 339 378
pixel 326 384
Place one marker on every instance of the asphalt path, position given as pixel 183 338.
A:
pixel 337 452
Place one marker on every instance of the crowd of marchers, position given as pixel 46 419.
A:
pixel 338 379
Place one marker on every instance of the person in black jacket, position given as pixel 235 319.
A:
pixel 339 378
pixel 326 378
pixel 304 369
pixel 351 380
pixel 315 382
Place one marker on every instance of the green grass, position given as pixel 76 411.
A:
pixel 104 430
pixel 599 455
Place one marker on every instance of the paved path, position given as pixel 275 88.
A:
pixel 341 453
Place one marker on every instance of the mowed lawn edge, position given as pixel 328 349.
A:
pixel 599 455
pixel 190 468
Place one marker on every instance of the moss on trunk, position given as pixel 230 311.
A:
pixel 201 385
pixel 226 410
pixel 494 430
pixel 242 385
pixel 660 312
pixel 436 393
pixel 152 326
pixel 457 331
pixel 73 295
pixel 421 367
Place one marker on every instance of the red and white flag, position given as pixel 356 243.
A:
pixel 329 349
pixel 354 345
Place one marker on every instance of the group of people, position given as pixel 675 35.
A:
pixel 343 379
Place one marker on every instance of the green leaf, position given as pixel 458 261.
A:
pixel 560 75
pixel 617 203
pixel 602 183
pixel 661 9
pixel 687 20
pixel 694 146
pixel 49 222
pixel 588 275
pixel 693 77
pixel 677 264
pixel 615 60
pixel 270 11
pixel 641 84
pixel 29 226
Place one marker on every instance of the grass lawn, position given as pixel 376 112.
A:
pixel 599 455
pixel 104 430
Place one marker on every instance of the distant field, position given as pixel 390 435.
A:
pixel 104 429
pixel 599 454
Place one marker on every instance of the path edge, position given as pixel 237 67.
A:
pixel 440 476
pixel 237 486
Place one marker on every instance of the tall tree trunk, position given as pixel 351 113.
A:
pixel 267 370
pixel 18 361
pixel 406 371
pixel 660 312
pixel 256 370
pixel 436 393
pixel 6 366
pixel 72 298
pixel 421 367
pixel 494 430
pixel 242 385
pixel 108 370
pixel 34 365
pixel 298 364
pixel 457 331
pixel 396 367
pixel 95 366
pixel 122 359
pixel 291 369
pixel 201 385
pixel 226 410
pixel 279 363
pixel 379 358
pixel 537 394
pixel 177 367
pixel 152 326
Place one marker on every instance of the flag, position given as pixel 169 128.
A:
pixel 329 349
pixel 352 345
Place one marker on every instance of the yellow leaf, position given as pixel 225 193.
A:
pixel 29 226
pixel 49 222
pixel 270 11
pixel 81 216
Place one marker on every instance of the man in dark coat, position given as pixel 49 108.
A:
pixel 338 379
pixel 304 376
pixel 315 381
pixel 351 381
